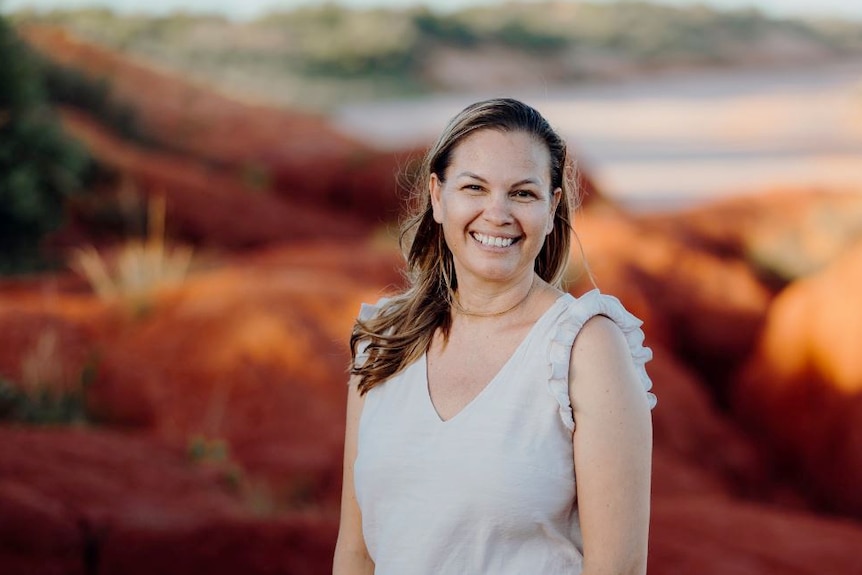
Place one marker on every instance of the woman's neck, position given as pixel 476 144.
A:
pixel 492 301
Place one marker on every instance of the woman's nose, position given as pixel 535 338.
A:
pixel 498 209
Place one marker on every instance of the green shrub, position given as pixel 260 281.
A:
pixel 339 42
pixel 42 405
pixel 39 167
pixel 69 87
pixel 447 30
pixel 518 34
pixel 215 454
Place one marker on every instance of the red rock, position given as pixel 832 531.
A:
pixel 37 534
pixel 192 117
pixel 62 489
pixel 48 334
pixel 675 476
pixel 716 536
pixel 801 391
pixel 84 501
pixel 301 545
pixel 783 234
pixel 57 347
pixel 206 206
pixel 698 449
pixel 704 308
pixel 101 475
pixel 298 155
pixel 255 354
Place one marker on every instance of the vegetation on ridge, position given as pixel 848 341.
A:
pixel 316 56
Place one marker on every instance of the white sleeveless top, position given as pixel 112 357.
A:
pixel 491 490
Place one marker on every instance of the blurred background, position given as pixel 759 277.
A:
pixel 195 198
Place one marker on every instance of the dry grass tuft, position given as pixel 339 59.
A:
pixel 47 393
pixel 138 267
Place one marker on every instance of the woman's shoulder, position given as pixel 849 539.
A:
pixel 593 303
pixel 612 318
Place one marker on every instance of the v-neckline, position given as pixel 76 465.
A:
pixel 491 383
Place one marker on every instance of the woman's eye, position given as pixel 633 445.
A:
pixel 473 187
pixel 524 194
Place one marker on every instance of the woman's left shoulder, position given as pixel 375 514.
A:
pixel 612 320
pixel 606 333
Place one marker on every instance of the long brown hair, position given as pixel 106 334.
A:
pixel 403 329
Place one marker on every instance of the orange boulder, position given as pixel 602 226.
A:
pixel 801 391
pixel 706 309
pixel 783 234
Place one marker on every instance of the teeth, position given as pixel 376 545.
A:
pixel 493 241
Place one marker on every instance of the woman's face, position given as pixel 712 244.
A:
pixel 496 205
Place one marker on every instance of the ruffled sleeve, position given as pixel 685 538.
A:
pixel 366 312
pixel 573 319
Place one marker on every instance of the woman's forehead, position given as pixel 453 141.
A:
pixel 516 154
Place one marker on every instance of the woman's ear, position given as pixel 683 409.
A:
pixel 556 195
pixel 435 188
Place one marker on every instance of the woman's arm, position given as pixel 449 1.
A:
pixel 351 555
pixel 612 450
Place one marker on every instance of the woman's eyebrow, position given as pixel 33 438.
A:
pixel 471 175
pixel 527 181
pixel 481 179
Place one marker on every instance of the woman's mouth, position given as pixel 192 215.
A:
pixel 493 241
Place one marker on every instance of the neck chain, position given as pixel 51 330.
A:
pixel 463 311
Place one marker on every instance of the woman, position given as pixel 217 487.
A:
pixel 479 393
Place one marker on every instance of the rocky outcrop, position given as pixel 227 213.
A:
pixel 230 387
pixel 216 420
pixel 215 407
pixel 204 206
pixel 698 448
pixel 801 391
pixel 783 234
pixel 297 156
pixel 705 308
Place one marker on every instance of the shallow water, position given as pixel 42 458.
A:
pixel 670 141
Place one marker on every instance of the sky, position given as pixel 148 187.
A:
pixel 851 9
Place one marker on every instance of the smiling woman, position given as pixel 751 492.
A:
pixel 495 211
pixel 461 448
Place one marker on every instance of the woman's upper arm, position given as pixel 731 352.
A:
pixel 351 555
pixel 612 447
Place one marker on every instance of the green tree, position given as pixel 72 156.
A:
pixel 39 166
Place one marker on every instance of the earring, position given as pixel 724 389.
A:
pixel 447 268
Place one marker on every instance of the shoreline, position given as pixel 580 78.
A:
pixel 671 141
